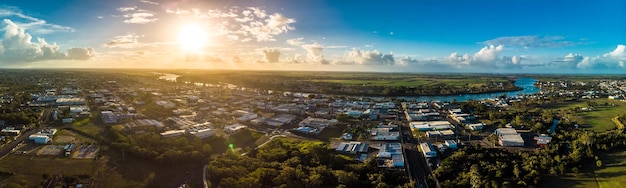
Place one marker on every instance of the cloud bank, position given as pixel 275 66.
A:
pixel 17 46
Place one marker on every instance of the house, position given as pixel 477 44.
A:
pixel 543 140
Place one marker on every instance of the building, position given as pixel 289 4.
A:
pixel 384 134
pixel 172 133
pixel 352 147
pixel 428 150
pixel 390 155
pixel 11 131
pixel 509 137
pixel 39 139
pixel 280 120
pixel 543 140
pixel 143 124
pixel 201 133
pixel 108 117
pixel 430 125
pixel 451 144
pixel 247 117
pixel 317 122
pixel 476 126
pixel 234 128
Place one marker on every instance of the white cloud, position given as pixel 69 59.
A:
pixel 80 53
pixel 124 41
pixel 32 24
pixel 251 23
pixel 274 25
pixel 314 53
pixel 134 15
pixel 295 42
pixel 365 57
pixel 140 18
pixel 456 58
pixel 17 46
pixel 532 41
pixel 100 17
pixel 271 55
pixel 126 9
pixel 258 12
pixel 488 53
pixel 149 2
pixel 618 53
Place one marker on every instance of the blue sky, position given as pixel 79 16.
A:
pixel 511 36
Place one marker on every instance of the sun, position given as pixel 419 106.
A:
pixel 192 37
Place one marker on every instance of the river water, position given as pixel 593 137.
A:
pixel 527 85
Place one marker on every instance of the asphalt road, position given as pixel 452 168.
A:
pixel 23 137
pixel 414 160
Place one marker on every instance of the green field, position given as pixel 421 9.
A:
pixel 570 181
pixel 613 174
pixel 30 169
pixel 598 119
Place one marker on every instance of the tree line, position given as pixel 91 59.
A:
pixel 286 163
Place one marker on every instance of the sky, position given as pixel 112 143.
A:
pixel 478 36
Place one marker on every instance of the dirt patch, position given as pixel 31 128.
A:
pixel 64 139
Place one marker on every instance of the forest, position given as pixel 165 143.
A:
pixel 287 163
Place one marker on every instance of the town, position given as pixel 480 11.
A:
pixel 101 124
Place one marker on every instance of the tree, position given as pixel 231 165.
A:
pixel 475 177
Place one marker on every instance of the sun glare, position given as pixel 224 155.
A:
pixel 192 38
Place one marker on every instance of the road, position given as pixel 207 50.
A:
pixel 9 147
pixel 415 162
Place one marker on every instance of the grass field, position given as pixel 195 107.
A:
pixel 67 137
pixel 89 129
pixel 613 174
pixel 31 169
pixel 600 118
pixel 331 132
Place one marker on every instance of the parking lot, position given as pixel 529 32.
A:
pixel 86 152
pixel 50 150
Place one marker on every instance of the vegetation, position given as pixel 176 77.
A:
pixel 372 84
pixel 285 163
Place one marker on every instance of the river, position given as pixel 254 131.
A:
pixel 527 85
